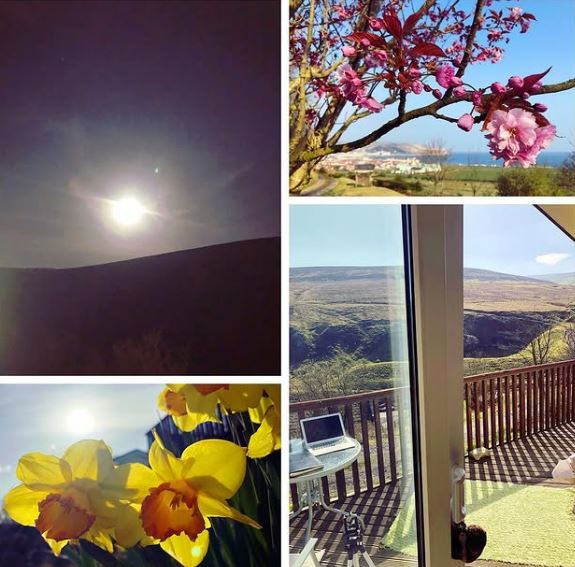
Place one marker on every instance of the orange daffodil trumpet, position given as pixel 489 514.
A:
pixel 178 496
pixel 77 496
pixel 193 404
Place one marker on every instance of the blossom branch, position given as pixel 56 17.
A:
pixel 429 110
pixel 471 38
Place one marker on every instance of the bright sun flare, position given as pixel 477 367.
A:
pixel 80 421
pixel 128 211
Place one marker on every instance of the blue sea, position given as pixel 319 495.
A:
pixel 551 159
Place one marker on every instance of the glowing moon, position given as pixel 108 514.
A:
pixel 128 211
pixel 80 422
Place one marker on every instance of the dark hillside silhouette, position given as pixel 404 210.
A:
pixel 206 311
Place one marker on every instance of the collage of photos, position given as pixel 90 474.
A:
pixel 287 283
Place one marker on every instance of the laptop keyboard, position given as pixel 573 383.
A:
pixel 338 445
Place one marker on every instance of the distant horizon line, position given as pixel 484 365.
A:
pixel 535 276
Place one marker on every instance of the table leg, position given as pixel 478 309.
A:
pixel 329 508
pixel 310 505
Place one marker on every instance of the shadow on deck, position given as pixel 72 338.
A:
pixel 528 460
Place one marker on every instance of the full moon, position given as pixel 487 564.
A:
pixel 128 211
pixel 80 422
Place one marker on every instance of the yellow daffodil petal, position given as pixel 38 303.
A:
pixel 214 507
pixel 130 482
pixel 274 392
pixel 241 397
pixel 101 539
pixel 164 463
pixel 258 413
pixel 189 553
pixel 129 531
pixel 191 420
pixel 21 504
pixel 215 466
pixel 56 546
pixel 199 400
pixel 267 438
pixel 39 470
pixel 90 459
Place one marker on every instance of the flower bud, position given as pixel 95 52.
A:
pixel 376 23
pixel 465 122
pixel 459 91
pixel 437 93
pixel 349 50
pixel 536 87
pixel 515 82
pixel 497 88
pixel 455 82
pixel 540 107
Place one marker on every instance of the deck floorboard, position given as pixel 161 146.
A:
pixel 523 461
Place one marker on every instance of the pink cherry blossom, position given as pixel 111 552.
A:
pixel 455 82
pixel 476 98
pixel 459 91
pixel 515 137
pixel 416 87
pixel 444 75
pixel 376 58
pixel 369 103
pixel 350 84
pixel 497 88
pixel 349 50
pixel 466 122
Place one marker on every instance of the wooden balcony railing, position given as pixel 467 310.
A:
pixel 503 406
pixel 378 421
pixel 499 407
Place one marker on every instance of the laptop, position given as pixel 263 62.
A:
pixel 325 434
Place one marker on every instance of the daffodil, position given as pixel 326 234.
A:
pixel 192 404
pixel 179 495
pixel 267 438
pixel 76 496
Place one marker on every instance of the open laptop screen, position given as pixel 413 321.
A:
pixel 322 428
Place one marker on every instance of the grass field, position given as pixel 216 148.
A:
pixel 460 180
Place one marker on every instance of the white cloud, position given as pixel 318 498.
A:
pixel 552 259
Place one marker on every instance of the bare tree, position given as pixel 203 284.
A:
pixel 436 153
pixel 569 334
pixel 324 378
pixel 538 350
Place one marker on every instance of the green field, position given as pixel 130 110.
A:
pixel 459 181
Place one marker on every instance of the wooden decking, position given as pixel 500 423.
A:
pixel 525 460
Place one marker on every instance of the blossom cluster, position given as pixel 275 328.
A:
pixel 517 129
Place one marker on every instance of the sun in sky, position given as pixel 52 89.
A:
pixel 128 211
pixel 80 422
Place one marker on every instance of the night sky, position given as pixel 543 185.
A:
pixel 177 104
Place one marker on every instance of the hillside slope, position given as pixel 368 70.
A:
pixel 208 311
pixel 360 308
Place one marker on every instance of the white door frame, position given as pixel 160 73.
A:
pixel 437 254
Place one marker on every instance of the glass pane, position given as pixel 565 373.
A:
pixel 519 386
pixel 349 357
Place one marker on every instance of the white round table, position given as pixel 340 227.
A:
pixel 332 463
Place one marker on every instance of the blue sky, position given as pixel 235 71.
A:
pixel 514 239
pixel 549 42
pixel 35 418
